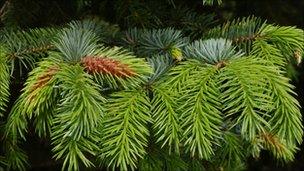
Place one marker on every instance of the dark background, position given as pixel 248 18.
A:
pixel 40 13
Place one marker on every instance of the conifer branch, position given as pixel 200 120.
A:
pixel 286 119
pixel 125 130
pixel 200 116
pixel 77 118
pixel 166 119
pixel 244 93
pixel 4 84
pixel 224 95
pixel 27 47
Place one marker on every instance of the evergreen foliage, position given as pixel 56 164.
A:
pixel 168 99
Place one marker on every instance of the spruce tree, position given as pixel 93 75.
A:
pixel 185 95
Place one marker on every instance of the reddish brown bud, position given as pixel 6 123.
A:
pixel 106 66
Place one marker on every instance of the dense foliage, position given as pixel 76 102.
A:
pixel 170 91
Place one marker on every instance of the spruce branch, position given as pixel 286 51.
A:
pixel 33 102
pixel 111 67
pixel 241 31
pixel 77 117
pixel 24 48
pixel 37 98
pixel 165 118
pixel 286 39
pixel 196 100
pixel 200 116
pixel 286 117
pixel 5 82
pixel 245 94
pixel 125 129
